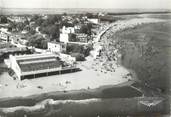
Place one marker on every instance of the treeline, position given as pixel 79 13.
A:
pixel 79 51
pixel 3 19
pixel 134 13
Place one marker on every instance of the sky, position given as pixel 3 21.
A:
pixel 121 4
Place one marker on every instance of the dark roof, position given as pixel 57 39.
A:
pixel 40 66
pixel 36 59
pixel 37 64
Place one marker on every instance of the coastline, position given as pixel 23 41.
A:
pixel 87 107
pixel 103 92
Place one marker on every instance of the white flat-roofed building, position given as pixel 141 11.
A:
pixel 93 20
pixel 56 47
pixel 67 30
pixel 64 38
pixel 5 36
pixel 38 65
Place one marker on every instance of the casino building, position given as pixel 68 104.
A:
pixel 38 65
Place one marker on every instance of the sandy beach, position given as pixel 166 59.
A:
pixel 85 79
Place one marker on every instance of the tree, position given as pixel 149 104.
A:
pixel 39 21
pixel 3 19
pixel 52 19
pixel 34 18
pixel 12 26
pixel 44 44
pixel 32 31
pixel 78 56
pixel 66 23
pixel 89 15
pixel 45 23
pixel 86 28
pixel 53 31
pixel 89 27
pixel 64 14
pixel 20 26
pixel 26 22
pixel 72 37
pixel 37 41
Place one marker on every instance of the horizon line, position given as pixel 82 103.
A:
pixel 91 8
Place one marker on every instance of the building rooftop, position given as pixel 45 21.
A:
pixel 34 56
pixel 37 62
pixel 35 66
pixel 54 42
pixel 12 49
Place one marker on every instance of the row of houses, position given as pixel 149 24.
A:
pixel 6 36
pixel 67 32
pixel 17 18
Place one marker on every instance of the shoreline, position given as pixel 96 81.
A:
pixel 92 107
pixel 103 92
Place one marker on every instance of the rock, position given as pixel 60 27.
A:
pixel 40 87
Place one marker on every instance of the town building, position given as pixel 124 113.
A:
pixel 15 39
pixel 18 40
pixel 64 38
pixel 17 19
pixel 81 37
pixel 38 65
pixel 67 30
pixel 77 28
pixel 4 35
pixel 93 20
pixel 56 47
pixel 11 50
pixel 73 35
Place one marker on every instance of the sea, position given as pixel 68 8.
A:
pixel 22 11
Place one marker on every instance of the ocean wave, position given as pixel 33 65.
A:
pixel 42 105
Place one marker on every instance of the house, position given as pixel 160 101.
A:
pixel 4 36
pixel 14 39
pixel 67 30
pixel 93 20
pixel 18 40
pixel 64 38
pixel 24 32
pixel 81 37
pixel 38 65
pixel 77 28
pixel 56 47
pixel 17 19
